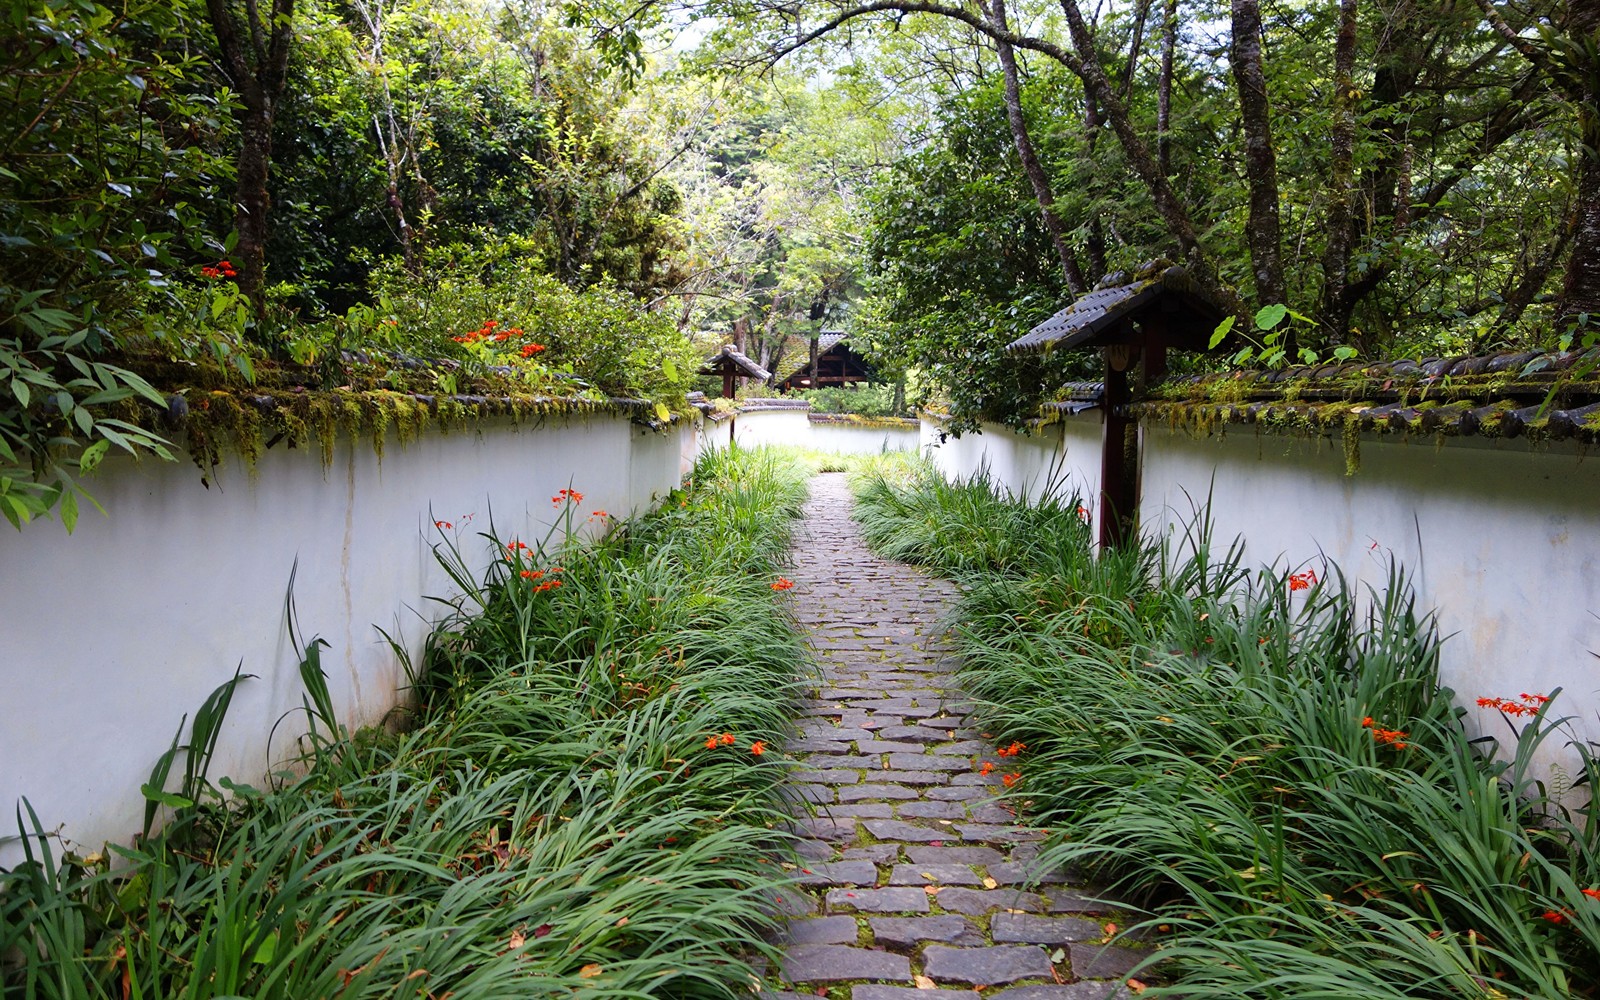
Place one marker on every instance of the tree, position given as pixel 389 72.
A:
pixel 253 54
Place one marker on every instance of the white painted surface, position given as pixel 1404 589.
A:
pixel 112 634
pixel 754 428
pixel 793 427
pixel 1061 459
pixel 1498 537
pixel 845 439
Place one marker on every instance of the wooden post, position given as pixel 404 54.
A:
pixel 1119 454
pixel 728 387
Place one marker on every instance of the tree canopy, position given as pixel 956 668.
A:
pixel 251 185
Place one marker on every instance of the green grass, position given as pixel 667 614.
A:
pixel 1196 738
pixel 553 825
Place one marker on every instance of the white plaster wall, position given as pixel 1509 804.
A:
pixel 112 634
pixel 754 428
pixel 843 439
pixel 1061 459
pixel 1499 537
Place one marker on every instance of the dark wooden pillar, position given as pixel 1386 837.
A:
pixel 1119 454
pixel 813 363
pixel 728 380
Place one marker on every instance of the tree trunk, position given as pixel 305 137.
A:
pixel 252 204
pixel 1263 231
pixel 1341 179
pixel 1169 42
pixel 1095 245
pixel 1030 161
pixel 1580 291
pixel 1172 211
pixel 255 58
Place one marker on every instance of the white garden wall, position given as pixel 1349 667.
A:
pixel 1498 537
pixel 113 633
pixel 786 423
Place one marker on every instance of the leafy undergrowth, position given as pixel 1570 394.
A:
pixel 1262 760
pixel 567 817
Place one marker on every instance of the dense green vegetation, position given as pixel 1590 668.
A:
pixel 262 188
pixel 562 813
pixel 1263 761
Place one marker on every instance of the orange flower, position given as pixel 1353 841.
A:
pixel 443 524
pixel 727 739
pixel 782 583
pixel 1010 779
pixel 1302 581
pixel 711 742
pixel 758 748
pixel 1591 893
pixel 532 574
pixel 599 514
pixel 1012 750
pixel 529 350
pixel 1556 918
pixel 988 766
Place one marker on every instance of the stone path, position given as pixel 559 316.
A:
pixel 918 878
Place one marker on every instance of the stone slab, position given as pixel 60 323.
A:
pixel 825 963
pixel 991 966
pixel 901 899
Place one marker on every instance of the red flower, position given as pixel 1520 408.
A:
pixel 727 740
pixel 1302 581
pixel 782 584
pixel 758 748
pixel 532 574
pixel 1529 705
pixel 563 496
pixel 1591 893
pixel 988 766
pixel 529 350
pixel 1012 750
pixel 443 524
pixel 1556 918
pixel 711 742
pixel 1010 779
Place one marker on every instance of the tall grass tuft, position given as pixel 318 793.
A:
pixel 1262 760
pixel 554 825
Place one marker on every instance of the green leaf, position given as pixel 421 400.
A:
pixel 92 455
pixel 669 369
pixel 1220 333
pixel 268 948
pixel 69 510
pixel 160 797
pixel 662 413
pixel 20 389
pixel 1344 352
pixel 1268 317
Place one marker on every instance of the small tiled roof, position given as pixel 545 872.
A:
pixel 732 356
pixel 1077 397
pixel 797 352
pixel 1101 313
pixel 1536 394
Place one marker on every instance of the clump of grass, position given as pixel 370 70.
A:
pixel 1266 762
pixel 554 825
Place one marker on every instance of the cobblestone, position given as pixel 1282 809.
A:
pixel 888 776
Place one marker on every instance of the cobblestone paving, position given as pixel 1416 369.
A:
pixel 918 879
